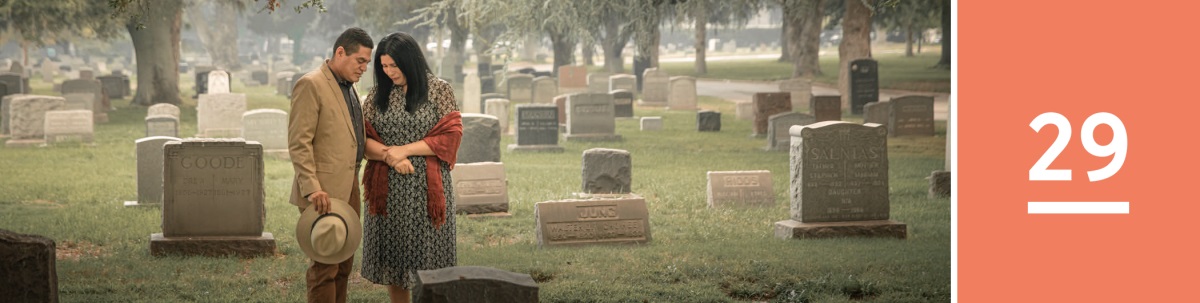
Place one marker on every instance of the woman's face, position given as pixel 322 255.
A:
pixel 392 71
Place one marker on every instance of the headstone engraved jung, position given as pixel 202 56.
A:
pixel 620 219
pixel 544 90
pixel 481 188
pixel 877 112
pixel 213 200
pixel 68 125
pixel 655 87
pixel 163 109
pixel 84 101
pixel 827 108
pixel 801 90
pixel 149 153
pixel 480 139
pixel 218 82
pixel 474 284
pixel 864 84
pixel 740 188
pixel 27 117
pixel 572 79
pixel 590 118
pixel 520 88
pixel 269 127
pixel 598 82
pixel 622 103
pixel 623 81
pixel 220 115
pixel 767 104
pixel 162 125
pixel 911 116
pixel 708 121
pixel 839 182
pixel 778 136
pixel 607 171
pixel 651 123
pixel 27 268
pixel 537 128
pixel 499 108
pixel 682 93
pixel 473 93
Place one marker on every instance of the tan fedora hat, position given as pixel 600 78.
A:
pixel 330 238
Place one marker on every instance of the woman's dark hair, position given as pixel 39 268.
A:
pixel 408 56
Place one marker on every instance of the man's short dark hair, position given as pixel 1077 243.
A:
pixel 351 40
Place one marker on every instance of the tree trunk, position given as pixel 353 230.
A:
pixel 157 65
pixel 297 55
pixel 564 50
pixel 856 44
pixel 908 40
pixel 701 18
pixel 786 32
pixel 216 32
pixel 654 46
pixel 458 40
pixel 945 62
pixel 808 40
pixel 613 44
pixel 588 51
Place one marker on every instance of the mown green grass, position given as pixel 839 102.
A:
pixel 73 194
pixel 895 71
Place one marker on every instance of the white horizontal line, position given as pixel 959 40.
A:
pixel 1079 207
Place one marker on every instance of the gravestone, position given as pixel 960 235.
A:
pixel 939 184
pixel 544 90
pixel 560 102
pixel 744 111
pixel 260 76
pixel 778 125
pixel 740 188
pixel 864 84
pixel 283 83
pixel 100 103
pixel 682 93
pixel 622 103
pixel 603 220
pixel 499 108
pixel 483 100
pixel 167 109
pixel 598 82
pixel 212 200
pixel 149 153
pixel 269 127
pixel 86 74
pixel 201 81
pixel 480 188
pixel 16 68
pixel 877 112
pixel 708 121
pixel 49 70
pixel 220 115
pixel 590 118
pixel 571 79
pixel 112 86
pixel 655 88
pixel 839 182
pixel 14 83
pixel 651 123
pixel 801 90
pixel 85 101
pixel 474 284
pixel 4 90
pixel 162 125
pixel 27 118
pixel 606 171
pixel 767 104
pixel 27 268
pixel 5 118
pixel 623 81
pixel 911 116
pixel 827 108
pixel 480 139
pixel 218 82
pixel 537 129
pixel 473 94
pixel 68 125
pixel 520 88
pixel 487 84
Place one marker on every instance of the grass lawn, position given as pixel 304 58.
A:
pixel 73 194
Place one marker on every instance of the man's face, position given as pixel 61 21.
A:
pixel 351 66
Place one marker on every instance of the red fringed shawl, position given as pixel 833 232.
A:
pixel 443 139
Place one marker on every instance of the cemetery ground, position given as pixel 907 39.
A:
pixel 895 71
pixel 73 193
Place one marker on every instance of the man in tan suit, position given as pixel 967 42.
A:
pixel 325 141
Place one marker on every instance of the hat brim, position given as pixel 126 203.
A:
pixel 353 232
